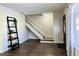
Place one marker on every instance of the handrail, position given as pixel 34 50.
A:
pixel 34 26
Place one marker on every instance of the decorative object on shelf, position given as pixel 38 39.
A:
pixel 12 29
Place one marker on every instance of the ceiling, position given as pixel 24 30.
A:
pixel 35 8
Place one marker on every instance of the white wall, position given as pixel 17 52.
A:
pixel 22 31
pixel 69 29
pixel 1 30
pixel 58 27
pixel 66 12
pixel 1 35
pixel 76 32
pixel 76 52
pixel 32 35
pixel 75 28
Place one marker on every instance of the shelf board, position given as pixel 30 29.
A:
pixel 13 39
pixel 12 33
pixel 12 20
pixel 10 17
pixel 13 45
pixel 11 27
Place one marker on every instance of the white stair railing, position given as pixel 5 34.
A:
pixel 28 20
pixel 27 24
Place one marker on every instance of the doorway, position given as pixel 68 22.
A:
pixel 64 31
pixel 63 45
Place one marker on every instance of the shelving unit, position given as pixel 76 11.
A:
pixel 13 38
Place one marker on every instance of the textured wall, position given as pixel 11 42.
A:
pixel 22 30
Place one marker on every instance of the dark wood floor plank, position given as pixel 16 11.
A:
pixel 35 48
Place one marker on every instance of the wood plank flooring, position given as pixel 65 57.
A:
pixel 35 48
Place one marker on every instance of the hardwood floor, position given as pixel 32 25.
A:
pixel 35 48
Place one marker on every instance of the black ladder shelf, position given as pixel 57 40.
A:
pixel 13 38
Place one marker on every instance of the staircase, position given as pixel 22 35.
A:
pixel 30 24
pixel 34 29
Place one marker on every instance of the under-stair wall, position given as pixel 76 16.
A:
pixel 31 35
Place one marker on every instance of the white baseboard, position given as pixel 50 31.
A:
pixel 46 41
pixel 49 42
